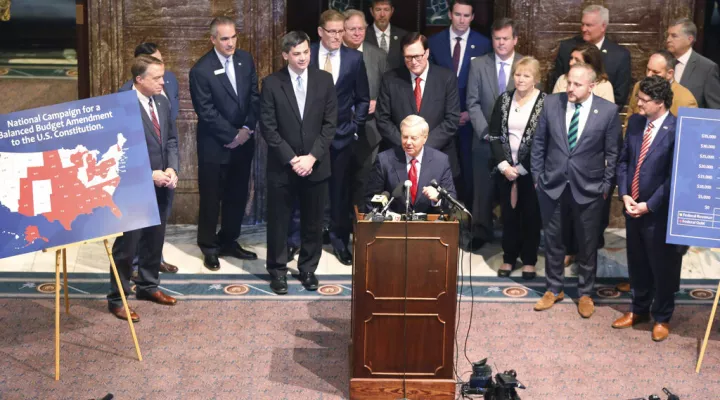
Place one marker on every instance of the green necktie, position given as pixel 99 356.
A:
pixel 574 126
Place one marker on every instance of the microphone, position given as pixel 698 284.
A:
pixel 444 194
pixel 396 194
pixel 379 201
pixel 408 185
pixel 671 396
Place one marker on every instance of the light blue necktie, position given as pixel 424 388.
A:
pixel 230 71
pixel 574 126
pixel 300 95
pixel 502 84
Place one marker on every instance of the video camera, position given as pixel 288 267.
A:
pixel 670 396
pixel 481 382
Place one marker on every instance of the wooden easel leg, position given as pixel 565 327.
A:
pixel 707 331
pixel 122 296
pixel 58 258
pixel 66 289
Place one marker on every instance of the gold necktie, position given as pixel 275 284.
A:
pixel 328 64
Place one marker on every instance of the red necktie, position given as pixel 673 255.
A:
pixel 155 122
pixel 412 175
pixel 635 188
pixel 418 93
pixel 456 55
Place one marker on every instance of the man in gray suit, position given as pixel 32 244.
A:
pixel 699 74
pixel 375 65
pixel 489 77
pixel 573 163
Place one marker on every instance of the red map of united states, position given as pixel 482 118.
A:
pixel 61 184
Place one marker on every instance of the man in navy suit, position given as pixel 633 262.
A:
pixel 161 138
pixel 170 91
pixel 573 164
pixel 643 173
pixel 454 48
pixel 414 162
pixel 224 92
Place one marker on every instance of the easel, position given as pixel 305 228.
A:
pixel 61 259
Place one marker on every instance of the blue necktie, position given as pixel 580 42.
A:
pixel 502 84
pixel 230 71
pixel 574 126
pixel 300 96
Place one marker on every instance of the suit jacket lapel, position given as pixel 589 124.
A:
pixel 590 120
pixel 563 124
pixel 224 79
pixel 344 66
pixel 160 115
pixel 660 135
pixel 429 91
pixel 424 178
pixel 447 51
pixel 407 83
pixel 491 69
pixel 688 71
pixel 511 81
pixel 290 93
pixel 400 166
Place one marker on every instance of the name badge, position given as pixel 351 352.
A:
pixel 219 71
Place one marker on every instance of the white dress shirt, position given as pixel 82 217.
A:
pixel 379 33
pixel 656 126
pixel 584 112
pixel 507 67
pixel 334 61
pixel 463 45
pixel 296 89
pixel 681 64
pixel 423 79
pixel 600 43
pixel 145 101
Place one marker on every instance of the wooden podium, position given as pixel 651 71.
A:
pixel 390 342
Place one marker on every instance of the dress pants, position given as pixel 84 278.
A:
pixel 569 236
pixel 148 244
pixel 483 190
pixel 223 192
pixel 171 197
pixel 521 225
pixel 281 199
pixel 586 221
pixel 654 266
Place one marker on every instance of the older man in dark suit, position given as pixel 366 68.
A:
pixel 161 138
pixel 419 88
pixel 388 38
pixel 224 92
pixel 573 164
pixel 298 121
pixel 414 162
pixel 616 58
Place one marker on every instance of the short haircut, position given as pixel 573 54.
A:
pixel 658 89
pixel 670 59
pixel 595 8
pixel 503 23
pixel 412 38
pixel 688 27
pixel 593 57
pixel 221 20
pixel 530 63
pixel 412 121
pixel 587 68
pixel 146 48
pixel 373 3
pixel 293 39
pixel 330 15
pixel 462 2
pixel 351 12
pixel 141 64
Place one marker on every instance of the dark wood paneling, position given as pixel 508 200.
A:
pixel 180 28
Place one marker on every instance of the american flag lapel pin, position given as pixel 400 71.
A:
pixel 595 111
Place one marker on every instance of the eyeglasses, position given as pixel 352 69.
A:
pixel 417 57
pixel 355 30
pixel 334 32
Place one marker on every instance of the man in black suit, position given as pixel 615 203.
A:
pixel 414 162
pixel 161 138
pixel 616 58
pixel 298 120
pixel 223 87
pixel 386 37
pixel 573 164
pixel 422 89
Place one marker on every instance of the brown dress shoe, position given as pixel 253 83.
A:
pixel 569 260
pixel 623 287
pixel 168 268
pixel 157 297
pixel 628 320
pixel 586 307
pixel 548 300
pixel 120 313
pixel 661 331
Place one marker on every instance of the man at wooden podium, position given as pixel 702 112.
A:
pixel 414 162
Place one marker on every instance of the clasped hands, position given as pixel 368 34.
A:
pixel 242 136
pixel 511 173
pixel 431 193
pixel 302 165
pixel 633 208
pixel 167 178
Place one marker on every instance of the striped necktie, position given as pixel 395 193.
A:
pixel 635 188
pixel 574 127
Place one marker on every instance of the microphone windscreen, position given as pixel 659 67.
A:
pixel 398 191
pixel 408 183
pixel 386 194
pixel 434 183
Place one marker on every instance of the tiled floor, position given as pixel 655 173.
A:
pixel 181 250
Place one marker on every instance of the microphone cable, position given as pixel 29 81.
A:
pixel 407 252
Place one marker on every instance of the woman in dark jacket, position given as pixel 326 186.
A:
pixel 512 128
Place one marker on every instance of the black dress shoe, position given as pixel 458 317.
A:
pixel 309 280
pixel 343 255
pixel 326 235
pixel 234 250
pixel 476 244
pixel 504 273
pixel 292 250
pixel 278 284
pixel 528 276
pixel 211 262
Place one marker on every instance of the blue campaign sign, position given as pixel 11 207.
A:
pixel 73 172
pixel 694 218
